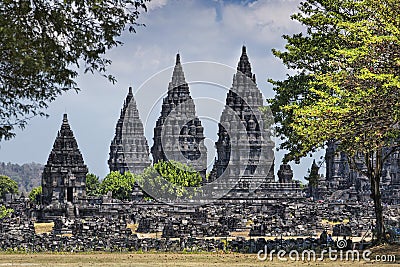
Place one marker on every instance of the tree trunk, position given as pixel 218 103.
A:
pixel 376 196
pixel 374 162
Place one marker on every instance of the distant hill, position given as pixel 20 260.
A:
pixel 27 175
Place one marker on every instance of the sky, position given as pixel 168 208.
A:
pixel 208 34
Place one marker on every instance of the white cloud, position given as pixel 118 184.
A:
pixel 154 4
pixel 263 21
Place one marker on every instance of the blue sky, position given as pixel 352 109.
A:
pixel 211 31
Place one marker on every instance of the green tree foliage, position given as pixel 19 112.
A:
pixel 170 180
pixel 4 212
pixel 7 185
pixel 120 185
pixel 345 86
pixel 43 42
pixel 92 185
pixel 35 194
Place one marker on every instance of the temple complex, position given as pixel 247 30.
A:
pixel 129 150
pixel 64 175
pixel 178 134
pixel 245 197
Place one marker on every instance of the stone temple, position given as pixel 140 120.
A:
pixel 244 148
pixel 64 175
pixel 244 157
pixel 178 134
pixel 343 182
pixel 129 150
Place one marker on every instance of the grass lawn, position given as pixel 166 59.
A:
pixel 173 259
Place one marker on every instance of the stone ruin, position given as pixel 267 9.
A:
pixel 274 209
pixel 220 226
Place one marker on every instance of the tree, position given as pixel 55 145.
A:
pixel 169 180
pixel 7 185
pixel 120 185
pixel 345 88
pixel 35 194
pixel 4 212
pixel 92 185
pixel 44 42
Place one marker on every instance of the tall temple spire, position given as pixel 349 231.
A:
pixel 178 77
pixel 244 64
pixel 64 175
pixel 178 134
pixel 255 158
pixel 129 150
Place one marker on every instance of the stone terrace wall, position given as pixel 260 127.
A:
pixel 185 228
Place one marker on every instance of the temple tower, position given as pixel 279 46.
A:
pixel 243 147
pixel 178 134
pixel 64 175
pixel 129 150
pixel 337 168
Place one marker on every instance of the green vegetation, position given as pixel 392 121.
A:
pixel 345 86
pixel 35 194
pixel 4 212
pixel 92 185
pixel 120 185
pixel 169 180
pixel 43 42
pixel 7 185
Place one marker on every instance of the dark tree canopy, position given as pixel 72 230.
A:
pixel 35 194
pixel 42 44
pixel 7 185
pixel 92 185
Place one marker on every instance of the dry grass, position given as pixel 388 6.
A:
pixel 330 223
pixel 133 227
pixel 160 259
pixel 244 234
pixel 150 235
pixel 41 228
pixel 385 249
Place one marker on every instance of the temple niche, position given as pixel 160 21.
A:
pixel 244 149
pixel 129 150
pixel 64 175
pixel 178 134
